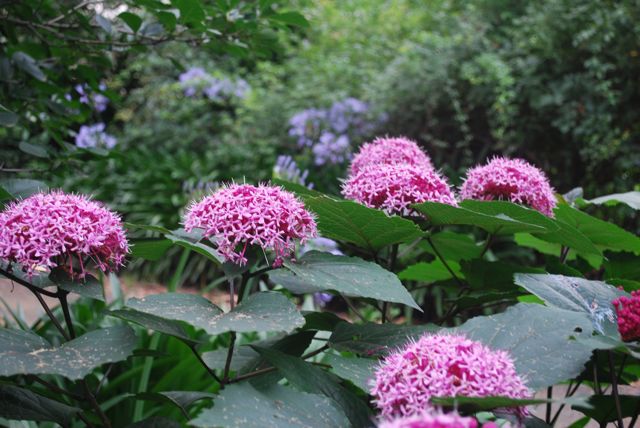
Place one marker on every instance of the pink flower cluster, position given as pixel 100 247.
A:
pixel 512 180
pixel 431 420
pixel 239 215
pixel 443 365
pixel 628 310
pixel 52 229
pixel 390 150
pixel 394 187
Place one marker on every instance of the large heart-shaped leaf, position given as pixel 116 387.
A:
pixel 592 298
pixel 264 312
pixel 21 404
pixel 504 209
pixel 539 338
pixel 74 359
pixel 604 234
pixel 242 406
pixel 348 275
pixel 498 224
pixel 375 339
pixel 365 227
pixel 312 379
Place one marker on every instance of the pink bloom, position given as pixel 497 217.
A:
pixel 443 365
pixel 512 180
pixel 54 229
pixel 390 150
pixel 239 215
pixel 628 310
pixel 392 188
pixel 431 420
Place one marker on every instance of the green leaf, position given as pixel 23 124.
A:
pixel 28 65
pixel 192 242
pixel 151 249
pixel 602 408
pixel 358 371
pixel 242 406
pixel 242 357
pixel 430 272
pixel 21 341
pixel 73 360
pixel 500 224
pixel 21 404
pixel 478 404
pixel 453 246
pixel 290 18
pixel 504 209
pixel 89 286
pixel 264 311
pixel 632 199
pixel 312 379
pixel 132 20
pixel 483 275
pixel 181 399
pixel 571 237
pixel 542 246
pixel 539 340
pixel 190 10
pixel 365 227
pixel 155 422
pixel 152 322
pixel 323 321
pixel 601 233
pixel 375 339
pixel 168 20
pixel 33 149
pixel 8 118
pixel 22 187
pixel 348 275
pixel 593 298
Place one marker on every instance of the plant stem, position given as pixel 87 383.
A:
pixel 487 244
pixel 353 307
pixel 55 388
pixel 614 386
pixel 564 252
pixel 49 313
pixel 176 279
pixel 92 400
pixel 444 262
pixel 26 284
pixel 232 344
pixel 207 368
pixel 272 369
pixel 62 296
pixel 549 397
pixel 261 271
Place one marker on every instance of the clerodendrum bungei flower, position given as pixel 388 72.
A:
pixel 390 150
pixel 54 229
pixel 240 215
pixel 628 310
pixel 442 365
pixel 513 180
pixel 430 420
pixel 393 187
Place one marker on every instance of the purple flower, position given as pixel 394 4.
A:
pixel 306 125
pixel 196 80
pixel 86 96
pixel 331 149
pixel 321 299
pixel 287 169
pixel 93 136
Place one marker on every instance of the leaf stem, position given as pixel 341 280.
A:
pixel 444 262
pixel 487 244
pixel 614 387
pixel 62 296
pixel 547 418
pixel 272 369
pixel 207 368
pixel 241 291
pixel 353 307
pixel 49 313
pixel 24 283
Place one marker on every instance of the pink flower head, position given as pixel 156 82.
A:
pixel 239 215
pixel 513 180
pixel 430 420
pixel 390 150
pixel 392 188
pixel 442 365
pixel 54 229
pixel 628 310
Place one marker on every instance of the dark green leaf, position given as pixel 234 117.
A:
pixel 73 360
pixel 592 298
pixel 132 20
pixel 477 404
pixel 28 65
pixel 168 20
pixel 89 286
pixel 359 371
pixel 484 275
pixel 602 408
pixel 264 311
pixel 152 322
pixel 33 149
pixel 324 321
pixel 22 187
pixel 601 233
pixel 571 237
pixel 430 272
pixel 290 18
pixel 243 406
pixel 375 339
pixel 312 379
pixel 181 399
pixel 8 118
pixel 22 404
pixel 442 214
pixel 504 209
pixel 539 340
pixel 348 275
pixel 190 10
pixel 453 246
pixel 365 227
pixel 155 422
pixel 192 242
pixel 150 249
pixel 242 357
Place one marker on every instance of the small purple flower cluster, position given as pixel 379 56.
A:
pixel 86 96
pixel 94 136
pixel 196 81
pixel 328 132
pixel 287 169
